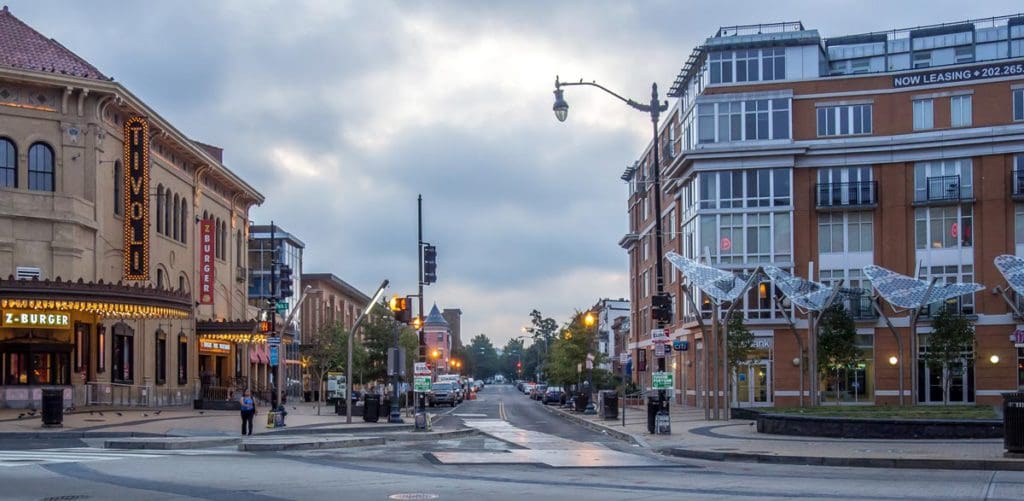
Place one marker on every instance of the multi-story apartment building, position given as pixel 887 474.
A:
pixel 609 311
pixel 105 211
pixel 900 148
pixel 264 240
pixel 337 302
pixel 454 318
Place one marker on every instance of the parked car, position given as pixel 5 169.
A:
pixel 442 393
pixel 553 395
pixel 538 392
pixel 528 387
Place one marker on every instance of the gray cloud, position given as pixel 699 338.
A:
pixel 340 112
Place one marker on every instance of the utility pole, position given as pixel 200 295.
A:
pixel 275 400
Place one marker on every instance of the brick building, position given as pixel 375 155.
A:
pixel 901 148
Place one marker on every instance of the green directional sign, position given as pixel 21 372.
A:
pixel 662 381
pixel 421 384
pixel 282 307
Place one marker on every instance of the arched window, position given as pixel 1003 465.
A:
pixel 160 208
pixel 40 167
pixel 167 214
pixel 184 221
pixel 238 248
pixel 159 278
pixel 176 228
pixel 182 287
pixel 118 188
pixel 123 357
pixel 8 164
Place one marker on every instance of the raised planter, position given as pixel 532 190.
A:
pixel 217 405
pixel 839 427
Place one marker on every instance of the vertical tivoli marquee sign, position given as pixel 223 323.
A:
pixel 206 268
pixel 136 199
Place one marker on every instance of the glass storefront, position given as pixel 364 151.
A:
pixel 1020 368
pixel 36 365
pixel 856 383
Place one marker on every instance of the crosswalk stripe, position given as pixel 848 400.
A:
pixel 12 458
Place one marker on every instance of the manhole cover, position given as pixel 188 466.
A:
pixel 64 498
pixel 413 495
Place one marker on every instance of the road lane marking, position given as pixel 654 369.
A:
pixel 12 458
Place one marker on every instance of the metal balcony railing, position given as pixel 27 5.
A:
pixel 943 188
pixel 849 194
pixel 860 307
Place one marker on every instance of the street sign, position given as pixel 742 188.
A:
pixel 662 381
pixel 659 336
pixel 659 350
pixel 623 357
pixel 272 341
pixel 421 384
pixel 273 354
pixel 282 307
pixel 421 369
pixel 396 361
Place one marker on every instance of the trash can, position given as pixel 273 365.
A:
pixel 1013 422
pixel 581 402
pixel 339 407
pixel 371 408
pixel 53 407
pixel 609 405
pixel 653 406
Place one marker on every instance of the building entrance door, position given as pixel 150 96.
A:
pixel 931 377
pixel 752 384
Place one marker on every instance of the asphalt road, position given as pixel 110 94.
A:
pixel 402 471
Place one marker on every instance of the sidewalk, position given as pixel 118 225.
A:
pixel 182 421
pixel 738 440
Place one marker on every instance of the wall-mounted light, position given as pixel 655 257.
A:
pixel 893 360
pixel 796 361
pixel 994 359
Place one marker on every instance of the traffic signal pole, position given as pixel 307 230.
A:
pixel 420 402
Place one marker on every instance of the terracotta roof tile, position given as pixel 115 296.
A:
pixel 25 48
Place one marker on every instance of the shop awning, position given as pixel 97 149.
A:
pixel 108 300
pixel 236 331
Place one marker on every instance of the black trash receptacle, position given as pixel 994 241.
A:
pixel 581 402
pixel 1013 422
pixel 653 406
pixel 610 405
pixel 53 407
pixel 371 408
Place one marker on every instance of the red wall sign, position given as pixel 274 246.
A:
pixel 206 267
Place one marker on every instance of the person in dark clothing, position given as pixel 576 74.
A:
pixel 248 405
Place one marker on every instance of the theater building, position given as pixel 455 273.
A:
pixel 902 148
pixel 121 239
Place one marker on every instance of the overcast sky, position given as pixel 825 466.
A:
pixel 340 113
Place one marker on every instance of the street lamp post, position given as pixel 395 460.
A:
pixel 590 321
pixel 654 108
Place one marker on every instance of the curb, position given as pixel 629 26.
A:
pixel 34 435
pixel 321 443
pixel 902 463
pixel 420 436
pixel 328 429
pixel 612 432
pixel 171 443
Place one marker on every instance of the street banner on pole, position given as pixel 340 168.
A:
pixel 421 384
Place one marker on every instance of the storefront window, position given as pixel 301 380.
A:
pixel 101 348
pixel 182 360
pixel 1020 368
pixel 81 347
pixel 124 354
pixel 36 368
pixel 161 358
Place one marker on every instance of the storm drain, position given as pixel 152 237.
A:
pixel 413 495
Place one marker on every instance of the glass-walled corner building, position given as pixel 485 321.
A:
pixel 901 148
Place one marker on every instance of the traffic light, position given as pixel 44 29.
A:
pixel 400 307
pixel 417 322
pixel 264 326
pixel 285 281
pixel 429 264
pixel 519 365
pixel 661 308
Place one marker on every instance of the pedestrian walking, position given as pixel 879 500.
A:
pixel 248 405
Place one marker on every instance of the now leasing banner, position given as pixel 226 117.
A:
pixel 206 267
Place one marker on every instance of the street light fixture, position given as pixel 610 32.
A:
pixel 655 107
pixel 590 321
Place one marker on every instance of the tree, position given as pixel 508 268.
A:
pixel 544 329
pixel 949 344
pixel 322 352
pixel 481 357
pixel 377 338
pixel 511 354
pixel 740 342
pixel 837 344
pixel 569 352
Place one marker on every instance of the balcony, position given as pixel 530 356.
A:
pixel 850 195
pixel 1018 185
pixel 942 190
pixel 859 306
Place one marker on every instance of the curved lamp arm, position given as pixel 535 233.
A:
pixel 654 107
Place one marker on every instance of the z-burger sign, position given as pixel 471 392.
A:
pixel 18 319
pixel 136 199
